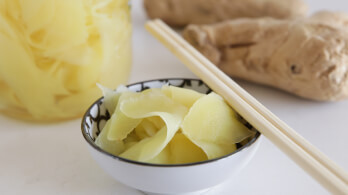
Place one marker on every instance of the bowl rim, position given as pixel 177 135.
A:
pixel 94 146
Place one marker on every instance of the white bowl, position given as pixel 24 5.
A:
pixel 191 178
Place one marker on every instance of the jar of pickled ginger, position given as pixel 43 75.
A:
pixel 54 52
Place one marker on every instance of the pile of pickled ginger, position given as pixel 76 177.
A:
pixel 53 52
pixel 170 125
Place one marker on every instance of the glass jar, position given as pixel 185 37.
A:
pixel 54 52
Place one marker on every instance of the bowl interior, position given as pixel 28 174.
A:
pixel 96 116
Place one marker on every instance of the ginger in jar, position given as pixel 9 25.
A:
pixel 53 52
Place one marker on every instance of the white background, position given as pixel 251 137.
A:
pixel 53 158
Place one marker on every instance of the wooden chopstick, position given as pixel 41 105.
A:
pixel 296 147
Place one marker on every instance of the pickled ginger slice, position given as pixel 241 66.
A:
pixel 151 101
pixel 36 14
pixel 186 97
pixel 166 91
pixel 131 140
pixel 145 129
pixel 140 131
pixel 163 157
pixel 148 105
pixel 157 121
pixel 214 150
pixel 182 150
pixel 111 96
pixel 8 98
pixel 150 128
pixel 121 124
pixel 112 146
pixel 150 147
pixel 219 130
pixel 68 15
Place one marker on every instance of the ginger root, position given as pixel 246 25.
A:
pixel 307 57
pixel 180 13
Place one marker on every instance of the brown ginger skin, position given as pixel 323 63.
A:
pixel 179 13
pixel 306 57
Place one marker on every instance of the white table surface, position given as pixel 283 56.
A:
pixel 53 158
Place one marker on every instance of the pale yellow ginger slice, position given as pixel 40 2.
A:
pixel 111 97
pixel 157 121
pixel 184 96
pixel 37 15
pixel 151 128
pixel 130 141
pixel 112 146
pixel 8 98
pixel 144 104
pixel 51 36
pixel 122 124
pixel 216 150
pixel 148 105
pixel 182 150
pixel 166 90
pixel 163 157
pixel 149 148
pixel 140 131
pixel 213 126
pixel 146 129
pixel 115 147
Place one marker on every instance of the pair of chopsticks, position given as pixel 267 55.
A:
pixel 314 162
